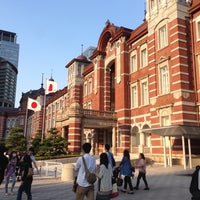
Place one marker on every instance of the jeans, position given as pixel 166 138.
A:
pixel 143 176
pixel 7 182
pixel 26 187
pixel 127 180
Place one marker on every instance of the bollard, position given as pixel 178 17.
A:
pixel 55 172
pixel 68 172
pixel 40 171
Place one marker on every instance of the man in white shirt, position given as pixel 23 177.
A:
pixel 84 188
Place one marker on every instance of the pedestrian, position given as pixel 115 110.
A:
pixel 84 188
pixel 3 163
pixel 126 170
pixel 11 172
pixel 111 159
pixel 26 179
pixel 142 172
pixel 195 184
pixel 104 174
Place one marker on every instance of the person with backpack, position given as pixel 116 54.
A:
pixel 85 188
pixel 111 159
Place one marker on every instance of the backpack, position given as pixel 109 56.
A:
pixel 112 159
pixel 90 177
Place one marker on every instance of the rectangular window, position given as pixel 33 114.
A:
pixel 133 63
pixel 85 89
pixel 90 87
pixel 198 30
pixel 162 37
pixel 134 96
pixel 143 57
pixel 164 80
pixel 144 93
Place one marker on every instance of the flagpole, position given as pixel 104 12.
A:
pixel 25 125
pixel 43 119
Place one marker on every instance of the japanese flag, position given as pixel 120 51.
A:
pixel 51 87
pixel 33 105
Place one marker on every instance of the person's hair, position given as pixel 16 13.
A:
pixel 31 149
pixel 2 149
pixel 107 147
pixel 104 159
pixel 126 154
pixel 142 156
pixel 87 147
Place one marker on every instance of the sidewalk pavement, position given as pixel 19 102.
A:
pixel 171 183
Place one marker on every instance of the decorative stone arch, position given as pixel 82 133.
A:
pixel 135 138
pixel 146 137
pixel 107 34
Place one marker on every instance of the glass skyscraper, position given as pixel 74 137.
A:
pixel 9 53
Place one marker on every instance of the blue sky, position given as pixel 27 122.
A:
pixel 50 33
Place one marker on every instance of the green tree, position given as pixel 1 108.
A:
pixel 36 141
pixel 16 140
pixel 52 145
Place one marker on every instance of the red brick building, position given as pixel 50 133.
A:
pixel 139 89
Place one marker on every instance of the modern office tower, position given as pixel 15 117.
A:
pixel 9 52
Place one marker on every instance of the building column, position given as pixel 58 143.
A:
pixel 164 149
pixel 114 140
pixel 170 152
pixel 183 146
pixel 190 154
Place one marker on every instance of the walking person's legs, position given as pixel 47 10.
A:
pixel 20 191
pixel 130 185
pixel 6 184
pixel 13 183
pixel 125 184
pixel 90 193
pixel 145 181
pixel 138 181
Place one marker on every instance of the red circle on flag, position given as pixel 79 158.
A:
pixel 34 105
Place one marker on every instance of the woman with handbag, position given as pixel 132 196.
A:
pixel 126 170
pixel 104 174
pixel 26 179
pixel 142 172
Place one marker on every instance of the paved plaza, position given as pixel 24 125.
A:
pixel 171 183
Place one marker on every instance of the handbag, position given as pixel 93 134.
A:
pixel 119 181
pixel 30 172
pixel 75 184
pixel 91 177
pixel 115 192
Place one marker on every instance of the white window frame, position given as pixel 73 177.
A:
pixel 164 78
pixel 143 57
pixel 134 95
pixel 133 62
pixel 162 37
pixel 144 92
pixel 90 86
pixel 85 88
pixel 198 28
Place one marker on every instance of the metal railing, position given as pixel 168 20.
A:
pixel 49 168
